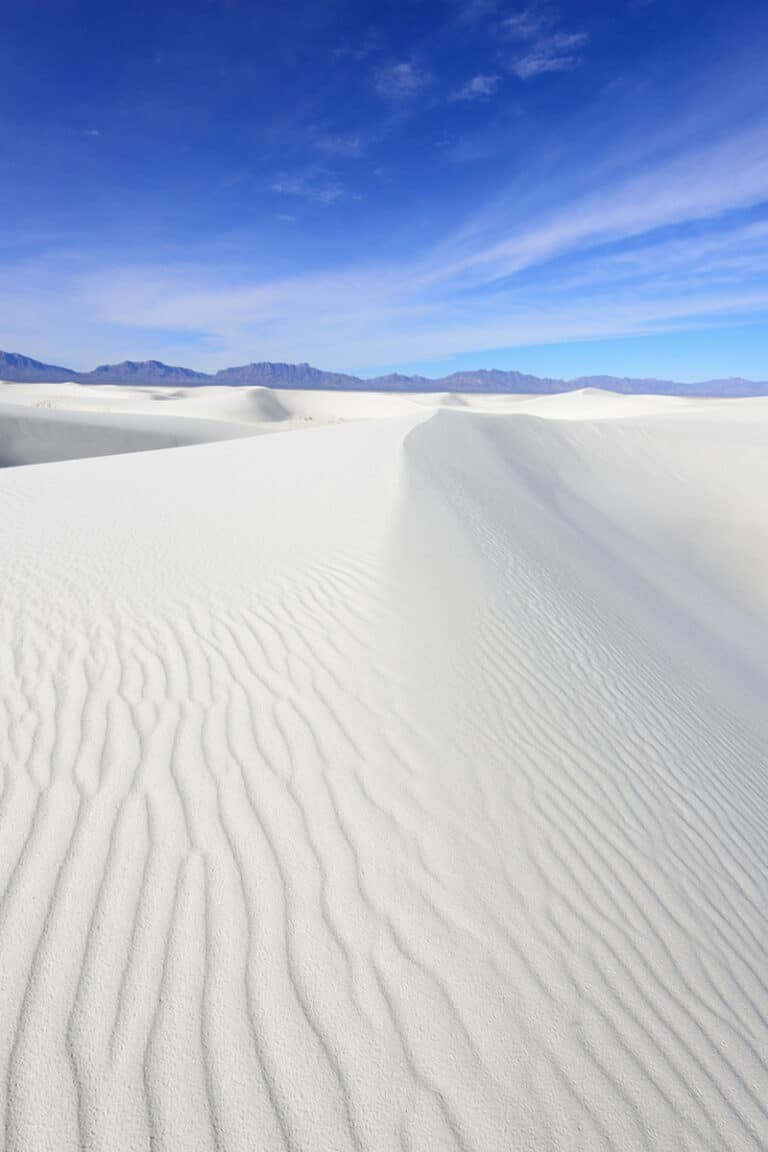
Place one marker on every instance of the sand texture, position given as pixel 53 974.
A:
pixel 393 782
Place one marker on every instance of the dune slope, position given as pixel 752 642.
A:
pixel 398 785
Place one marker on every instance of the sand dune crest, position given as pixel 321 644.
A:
pixel 395 785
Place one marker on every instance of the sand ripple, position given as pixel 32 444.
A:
pixel 394 786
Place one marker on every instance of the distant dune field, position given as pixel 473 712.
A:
pixel 397 780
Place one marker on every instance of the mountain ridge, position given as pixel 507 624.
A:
pixel 18 368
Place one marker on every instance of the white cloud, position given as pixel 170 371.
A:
pixel 401 81
pixel 696 184
pixel 556 53
pixel 546 48
pixel 338 144
pixel 350 319
pixel 527 23
pixel 321 187
pixel 480 87
pixel 501 281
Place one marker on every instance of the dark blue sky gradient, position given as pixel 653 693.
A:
pixel 392 186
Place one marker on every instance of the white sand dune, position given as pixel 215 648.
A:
pixel 33 436
pixel 396 785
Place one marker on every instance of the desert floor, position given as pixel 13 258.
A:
pixel 382 772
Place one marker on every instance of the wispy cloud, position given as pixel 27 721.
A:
pixel 698 183
pixel 429 307
pixel 543 46
pixel 556 53
pixel 527 23
pixel 338 143
pixel 401 81
pixel 352 318
pixel 676 238
pixel 321 187
pixel 480 87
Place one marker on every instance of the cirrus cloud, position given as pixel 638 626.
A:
pixel 543 47
pixel 480 87
pixel 401 80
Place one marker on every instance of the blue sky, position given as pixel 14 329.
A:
pixel 565 188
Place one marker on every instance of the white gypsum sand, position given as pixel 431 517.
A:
pixel 399 784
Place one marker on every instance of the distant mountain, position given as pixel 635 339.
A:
pixel 142 372
pixel 269 375
pixel 494 380
pixel 22 369
pixel 733 386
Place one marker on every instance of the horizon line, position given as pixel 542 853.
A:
pixel 366 379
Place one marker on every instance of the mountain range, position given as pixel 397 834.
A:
pixel 16 368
